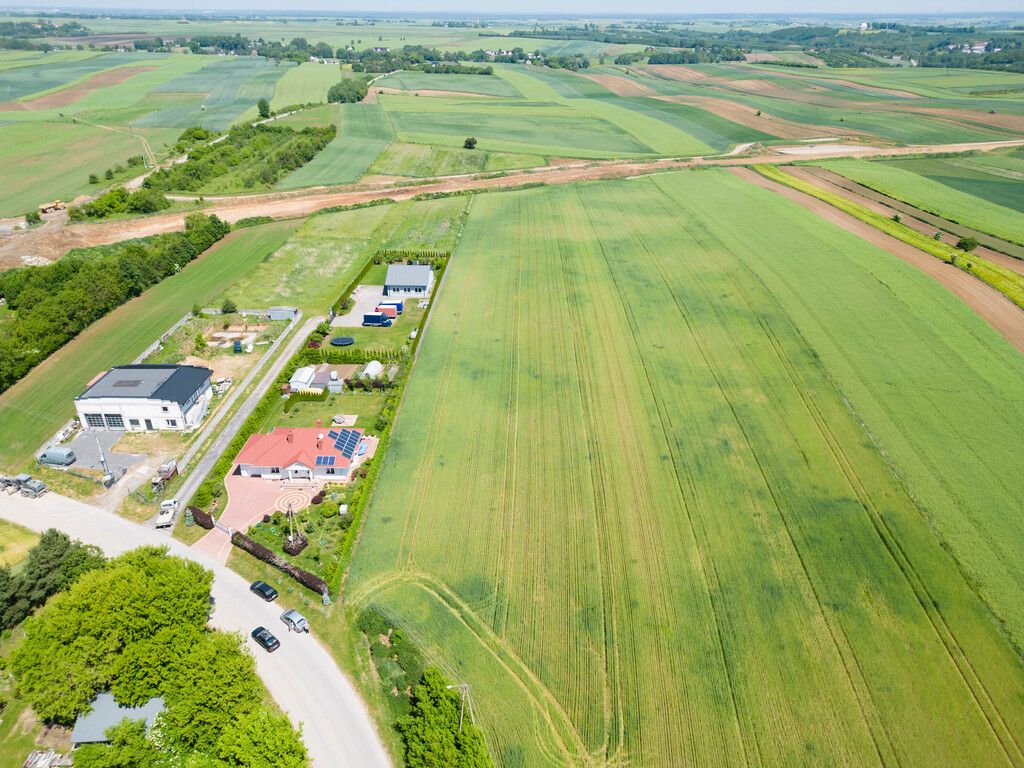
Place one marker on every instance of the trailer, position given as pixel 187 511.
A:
pixel 377 320
pixel 396 303
pixel 386 309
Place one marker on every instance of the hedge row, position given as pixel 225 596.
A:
pixel 203 520
pixel 353 206
pixel 464 192
pixel 257 550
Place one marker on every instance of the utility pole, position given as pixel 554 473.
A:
pixel 464 691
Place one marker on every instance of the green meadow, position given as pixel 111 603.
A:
pixel 673 491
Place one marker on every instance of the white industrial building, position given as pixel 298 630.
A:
pixel 408 280
pixel 136 398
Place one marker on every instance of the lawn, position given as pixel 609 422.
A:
pixel 35 407
pixel 899 180
pixel 674 482
pixel 15 542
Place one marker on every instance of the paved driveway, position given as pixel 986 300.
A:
pixel 301 676
pixel 88 455
pixel 365 299
pixel 248 500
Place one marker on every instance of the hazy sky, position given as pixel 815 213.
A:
pixel 548 7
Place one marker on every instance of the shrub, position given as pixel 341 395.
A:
pixel 94 179
pixel 252 221
pixel 260 552
pixel 228 307
pixel 347 91
pixel 469 143
pixel 202 519
pixel 33 217
pixel 967 244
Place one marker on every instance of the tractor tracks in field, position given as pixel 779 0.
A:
pixel 710 581
pixel 569 745
pixel 955 652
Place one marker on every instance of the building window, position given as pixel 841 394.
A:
pixel 164 408
pixel 275 470
pixel 172 422
pixel 114 421
pixel 133 422
pixel 94 419
pixel 330 471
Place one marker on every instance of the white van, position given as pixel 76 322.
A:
pixel 57 456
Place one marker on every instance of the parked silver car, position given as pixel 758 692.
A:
pixel 295 621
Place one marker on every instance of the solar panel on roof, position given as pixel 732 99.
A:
pixel 325 461
pixel 346 442
pixel 333 434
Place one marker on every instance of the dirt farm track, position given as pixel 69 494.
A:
pixel 55 238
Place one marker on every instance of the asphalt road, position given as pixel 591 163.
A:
pixel 301 675
pixel 227 434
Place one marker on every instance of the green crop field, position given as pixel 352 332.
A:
pixel 45 74
pixel 671 491
pixel 421 160
pixel 35 174
pixel 489 85
pixel 899 179
pixel 305 84
pixel 229 88
pixel 545 128
pixel 365 132
pixel 35 407
pixel 999 179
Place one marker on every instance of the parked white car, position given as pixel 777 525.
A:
pixel 295 621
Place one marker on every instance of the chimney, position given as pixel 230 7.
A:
pixel 320 425
pixel 291 436
pixel 319 439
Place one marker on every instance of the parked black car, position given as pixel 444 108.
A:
pixel 264 590
pixel 263 636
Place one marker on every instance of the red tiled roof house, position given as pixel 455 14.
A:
pixel 304 454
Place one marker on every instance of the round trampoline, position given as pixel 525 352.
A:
pixel 342 341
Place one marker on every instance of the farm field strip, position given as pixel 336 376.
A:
pixel 304 84
pixel 45 75
pixel 365 132
pixel 988 242
pixel 36 406
pixel 689 522
pixel 934 197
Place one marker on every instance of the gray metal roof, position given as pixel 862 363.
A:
pixel 91 728
pixel 408 274
pixel 159 382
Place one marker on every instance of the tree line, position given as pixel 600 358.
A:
pixel 120 200
pixel 54 303
pixel 265 152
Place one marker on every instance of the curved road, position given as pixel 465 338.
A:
pixel 301 675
